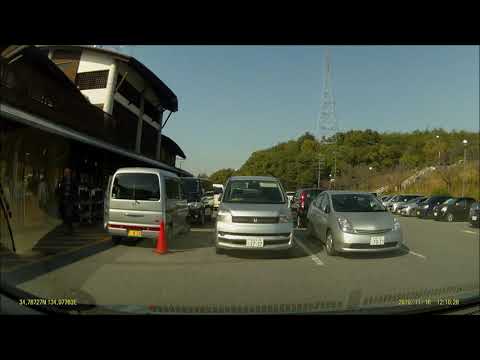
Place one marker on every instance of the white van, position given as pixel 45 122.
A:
pixel 138 200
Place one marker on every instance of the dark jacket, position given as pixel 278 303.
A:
pixel 67 192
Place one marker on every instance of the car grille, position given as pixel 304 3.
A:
pixel 254 220
pixel 222 233
pixel 370 232
pixel 368 246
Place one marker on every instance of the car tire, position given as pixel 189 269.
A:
pixel 219 251
pixel 116 240
pixel 329 244
pixel 202 218
pixel 450 217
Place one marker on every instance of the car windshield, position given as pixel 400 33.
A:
pixel 356 203
pixel 254 191
pixel 152 179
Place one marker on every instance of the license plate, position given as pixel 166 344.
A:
pixel 474 218
pixel 256 243
pixel 377 240
pixel 134 233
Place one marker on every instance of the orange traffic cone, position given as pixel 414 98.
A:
pixel 162 247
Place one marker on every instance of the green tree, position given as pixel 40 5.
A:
pixel 221 176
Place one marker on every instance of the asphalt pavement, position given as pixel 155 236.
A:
pixel 439 260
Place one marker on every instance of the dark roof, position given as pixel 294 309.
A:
pixel 172 146
pixel 36 57
pixel 167 97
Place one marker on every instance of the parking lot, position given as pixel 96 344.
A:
pixel 439 259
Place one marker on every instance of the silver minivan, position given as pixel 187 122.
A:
pixel 138 200
pixel 254 215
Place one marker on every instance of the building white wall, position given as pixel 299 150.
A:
pixel 92 61
pixel 95 96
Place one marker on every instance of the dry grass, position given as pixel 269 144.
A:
pixel 434 183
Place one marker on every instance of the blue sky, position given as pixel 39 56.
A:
pixel 234 100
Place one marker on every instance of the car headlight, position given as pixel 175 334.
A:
pixel 285 218
pixel 444 209
pixel 195 205
pixel 426 206
pixel 345 225
pixel 396 224
pixel 224 216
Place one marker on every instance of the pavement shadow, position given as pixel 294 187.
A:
pixel 198 237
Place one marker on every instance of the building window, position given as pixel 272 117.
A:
pixel 129 92
pixel 151 111
pixel 92 80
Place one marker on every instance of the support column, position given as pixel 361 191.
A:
pixel 110 90
pixel 159 136
pixel 138 142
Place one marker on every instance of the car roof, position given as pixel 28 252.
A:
pixel 146 170
pixel 259 178
pixel 333 192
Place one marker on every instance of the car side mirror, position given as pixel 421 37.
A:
pixel 327 209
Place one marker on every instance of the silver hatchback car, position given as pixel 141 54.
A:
pixel 254 215
pixel 353 222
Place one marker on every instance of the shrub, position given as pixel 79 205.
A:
pixel 440 191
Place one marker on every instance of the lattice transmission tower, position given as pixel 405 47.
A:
pixel 327 124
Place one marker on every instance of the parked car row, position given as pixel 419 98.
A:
pixel 436 207
pixel 254 214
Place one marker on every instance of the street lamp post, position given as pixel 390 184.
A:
pixel 465 142
pixel 438 143
pixel 369 175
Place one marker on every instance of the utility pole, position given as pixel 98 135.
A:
pixel 465 142
pixel 320 165
pixel 327 122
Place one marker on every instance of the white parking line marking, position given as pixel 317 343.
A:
pixel 470 232
pixel 416 254
pixel 202 230
pixel 314 257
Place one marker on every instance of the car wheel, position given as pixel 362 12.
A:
pixel 116 240
pixel 202 218
pixel 219 251
pixel 450 217
pixel 329 246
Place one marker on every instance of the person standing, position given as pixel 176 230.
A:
pixel 68 192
